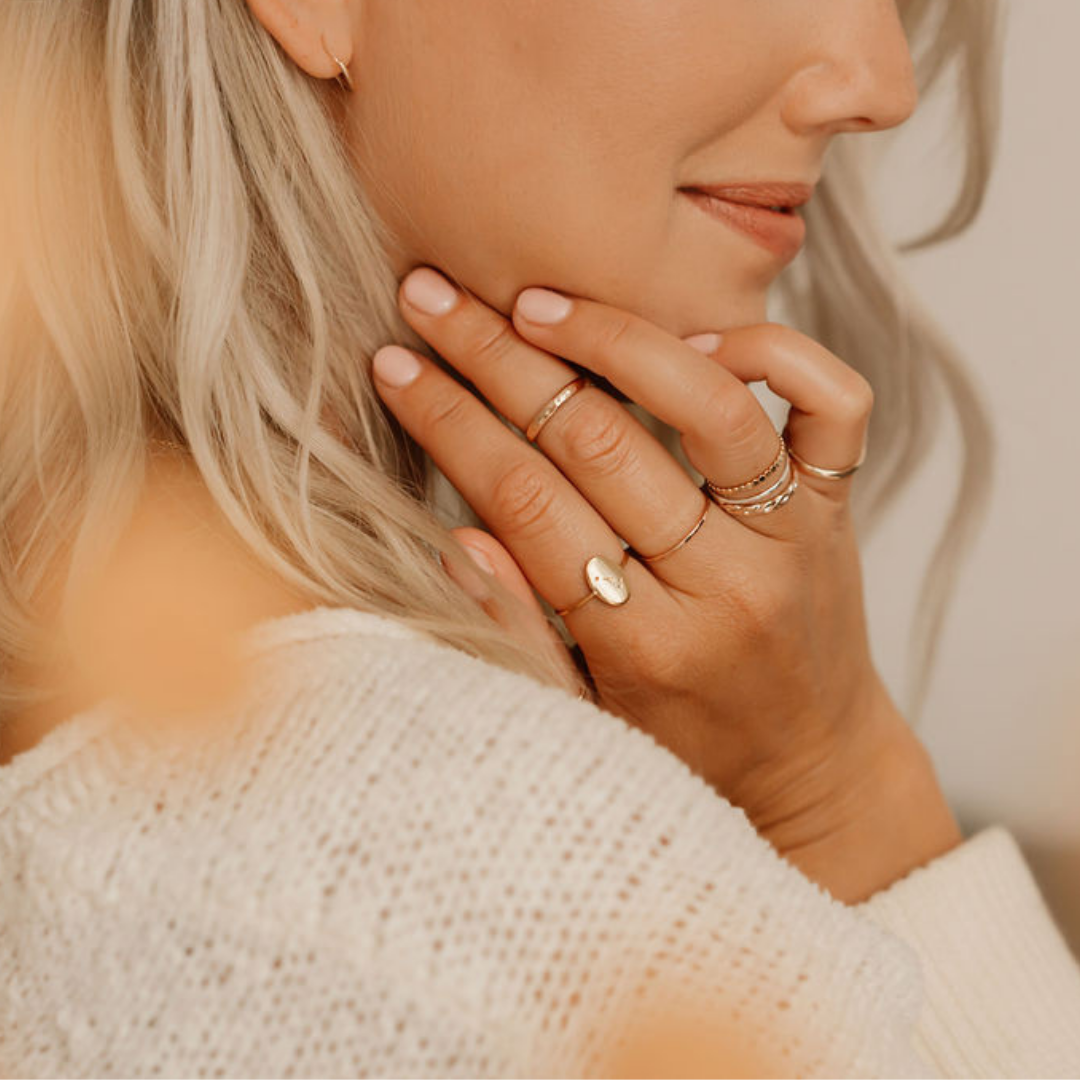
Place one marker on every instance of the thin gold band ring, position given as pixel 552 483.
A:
pixel 685 540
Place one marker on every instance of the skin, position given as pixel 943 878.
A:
pixel 513 144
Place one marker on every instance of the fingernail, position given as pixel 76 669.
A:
pixel 429 291
pixel 706 343
pixel 395 366
pixel 480 559
pixel 474 587
pixel 543 306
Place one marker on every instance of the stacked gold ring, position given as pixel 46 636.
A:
pixel 763 500
pixel 726 492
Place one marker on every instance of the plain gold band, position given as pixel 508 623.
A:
pixel 827 474
pixel 685 540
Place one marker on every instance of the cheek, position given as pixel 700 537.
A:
pixel 482 158
pixel 499 199
pixel 512 150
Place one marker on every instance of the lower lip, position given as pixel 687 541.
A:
pixel 782 234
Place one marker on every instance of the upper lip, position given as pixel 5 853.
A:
pixel 767 193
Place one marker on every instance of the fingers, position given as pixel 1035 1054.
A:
pixel 611 458
pixel 548 528
pixel 726 433
pixel 723 424
pixel 831 402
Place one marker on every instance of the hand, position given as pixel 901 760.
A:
pixel 745 652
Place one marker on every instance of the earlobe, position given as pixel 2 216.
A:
pixel 312 32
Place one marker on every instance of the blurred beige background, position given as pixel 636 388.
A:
pixel 1003 714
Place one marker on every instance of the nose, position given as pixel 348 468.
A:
pixel 857 72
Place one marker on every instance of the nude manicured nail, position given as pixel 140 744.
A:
pixel 480 559
pixel 429 291
pixel 543 306
pixel 395 366
pixel 705 343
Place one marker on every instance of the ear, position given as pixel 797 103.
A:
pixel 300 27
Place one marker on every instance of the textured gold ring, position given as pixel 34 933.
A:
pixel 766 507
pixel 537 423
pixel 760 496
pixel 781 454
pixel 606 582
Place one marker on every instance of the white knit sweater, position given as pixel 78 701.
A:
pixel 398 860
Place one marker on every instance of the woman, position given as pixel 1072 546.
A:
pixel 397 845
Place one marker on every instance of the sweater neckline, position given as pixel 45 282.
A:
pixel 268 635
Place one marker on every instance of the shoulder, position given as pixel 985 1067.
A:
pixel 415 851
pixel 365 678
pixel 527 849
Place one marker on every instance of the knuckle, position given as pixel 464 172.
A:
pixel 731 413
pixel 615 333
pixel 856 399
pixel 758 611
pixel 495 345
pixel 772 337
pixel 595 436
pixel 522 496
pixel 446 411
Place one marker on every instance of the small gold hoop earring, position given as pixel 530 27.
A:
pixel 348 83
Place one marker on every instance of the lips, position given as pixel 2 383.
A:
pixel 787 195
pixel 748 208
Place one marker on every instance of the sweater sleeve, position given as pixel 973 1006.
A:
pixel 1002 987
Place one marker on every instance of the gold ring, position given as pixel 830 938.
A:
pixel 758 497
pixel 765 507
pixel 777 462
pixel 828 474
pixel 548 411
pixel 606 582
pixel 685 540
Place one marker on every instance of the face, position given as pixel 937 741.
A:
pixel 544 142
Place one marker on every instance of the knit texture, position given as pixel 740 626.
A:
pixel 395 859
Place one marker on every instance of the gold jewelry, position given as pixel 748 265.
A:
pixel 761 496
pixel 766 507
pixel 548 411
pixel 606 582
pixel 348 83
pixel 781 454
pixel 828 474
pixel 685 540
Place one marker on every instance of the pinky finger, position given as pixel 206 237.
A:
pixel 830 401
pixel 495 581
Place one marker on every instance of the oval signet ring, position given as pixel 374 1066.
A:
pixel 606 582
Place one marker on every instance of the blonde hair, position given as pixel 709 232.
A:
pixel 187 252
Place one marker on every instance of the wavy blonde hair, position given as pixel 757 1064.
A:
pixel 185 252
